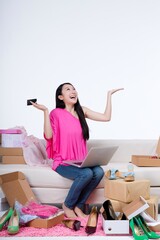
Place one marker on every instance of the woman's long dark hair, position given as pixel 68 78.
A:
pixel 78 109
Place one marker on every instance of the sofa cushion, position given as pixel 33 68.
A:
pixel 40 176
pixel 46 177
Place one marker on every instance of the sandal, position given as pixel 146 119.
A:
pixel 129 176
pixel 112 174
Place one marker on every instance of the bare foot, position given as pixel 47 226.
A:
pixel 68 212
pixel 79 213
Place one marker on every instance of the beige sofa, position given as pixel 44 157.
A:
pixel 51 188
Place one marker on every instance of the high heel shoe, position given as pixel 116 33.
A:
pixel 121 216
pixel 146 229
pixel 148 218
pixel 72 224
pixel 5 217
pixel 109 211
pixel 92 221
pixel 151 222
pixel 137 231
pixel 13 225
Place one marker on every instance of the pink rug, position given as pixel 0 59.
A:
pixel 58 230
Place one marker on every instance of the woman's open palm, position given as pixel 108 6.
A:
pixel 39 106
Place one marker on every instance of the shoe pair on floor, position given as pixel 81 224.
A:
pixel 11 216
pixel 140 229
pixel 91 223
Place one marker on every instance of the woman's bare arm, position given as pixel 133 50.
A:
pixel 47 125
pixel 106 116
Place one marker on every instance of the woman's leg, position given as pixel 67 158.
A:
pixel 98 174
pixel 82 178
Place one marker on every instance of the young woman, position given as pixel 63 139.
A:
pixel 66 133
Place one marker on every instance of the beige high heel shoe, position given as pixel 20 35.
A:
pixel 92 221
pixel 72 224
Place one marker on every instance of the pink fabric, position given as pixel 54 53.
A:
pixel 34 149
pixel 67 142
pixel 43 211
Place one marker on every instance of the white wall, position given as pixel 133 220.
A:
pixel 94 44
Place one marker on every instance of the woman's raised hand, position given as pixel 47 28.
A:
pixel 39 106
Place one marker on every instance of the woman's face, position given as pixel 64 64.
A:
pixel 69 94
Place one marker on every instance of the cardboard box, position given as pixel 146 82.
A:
pixel 153 207
pixel 135 207
pixel 16 187
pixel 147 161
pixel 48 222
pixel 121 227
pixel 126 191
pixel 152 210
pixel 8 151
pixel 13 160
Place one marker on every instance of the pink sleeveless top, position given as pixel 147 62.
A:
pixel 67 142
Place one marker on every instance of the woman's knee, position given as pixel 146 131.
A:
pixel 86 173
pixel 98 171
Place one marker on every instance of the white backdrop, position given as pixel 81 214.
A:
pixel 94 44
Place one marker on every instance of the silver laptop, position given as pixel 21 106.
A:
pixel 96 156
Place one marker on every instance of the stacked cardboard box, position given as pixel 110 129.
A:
pixel 121 193
pixel 12 155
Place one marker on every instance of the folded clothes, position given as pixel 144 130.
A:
pixel 43 211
